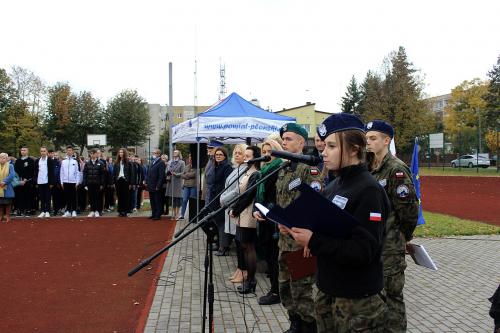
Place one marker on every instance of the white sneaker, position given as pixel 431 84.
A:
pixel 96 214
pixel 134 210
pixel 91 214
pixel 42 214
pixel 47 214
pixel 67 214
pixel 73 214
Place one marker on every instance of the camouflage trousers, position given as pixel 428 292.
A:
pixel 349 315
pixel 296 296
pixel 396 312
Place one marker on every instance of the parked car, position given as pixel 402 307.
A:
pixel 470 161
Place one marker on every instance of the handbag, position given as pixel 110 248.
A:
pixel 15 180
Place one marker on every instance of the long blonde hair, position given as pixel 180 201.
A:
pixel 240 146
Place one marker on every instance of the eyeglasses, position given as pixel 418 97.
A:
pixel 220 155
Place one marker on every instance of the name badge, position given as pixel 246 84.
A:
pixel 340 201
pixel 383 182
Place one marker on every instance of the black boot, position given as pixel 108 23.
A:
pixel 247 287
pixel 295 323
pixel 309 327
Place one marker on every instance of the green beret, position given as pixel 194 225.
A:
pixel 295 128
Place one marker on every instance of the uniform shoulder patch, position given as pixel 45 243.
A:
pixel 294 184
pixel 314 171
pixel 402 191
pixel 316 185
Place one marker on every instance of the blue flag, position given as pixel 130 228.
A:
pixel 416 181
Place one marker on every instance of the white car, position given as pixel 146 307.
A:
pixel 470 161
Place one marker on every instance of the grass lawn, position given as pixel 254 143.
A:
pixel 437 171
pixel 438 225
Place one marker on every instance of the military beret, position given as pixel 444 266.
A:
pixel 295 128
pixel 380 126
pixel 214 144
pixel 338 122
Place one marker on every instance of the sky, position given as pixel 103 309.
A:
pixel 282 52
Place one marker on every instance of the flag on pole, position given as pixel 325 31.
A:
pixel 416 181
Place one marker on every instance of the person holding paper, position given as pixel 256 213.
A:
pixel 296 296
pixel 395 177
pixel 350 271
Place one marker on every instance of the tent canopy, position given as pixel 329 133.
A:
pixel 232 120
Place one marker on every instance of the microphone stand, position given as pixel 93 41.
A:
pixel 207 207
pixel 207 223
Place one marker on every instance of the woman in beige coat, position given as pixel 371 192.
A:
pixel 246 231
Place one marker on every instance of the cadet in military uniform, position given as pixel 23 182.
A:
pixel 296 296
pixel 350 271
pixel 395 177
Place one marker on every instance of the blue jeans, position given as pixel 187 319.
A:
pixel 187 192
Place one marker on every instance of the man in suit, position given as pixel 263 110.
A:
pixel 154 184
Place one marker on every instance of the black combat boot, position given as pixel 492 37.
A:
pixel 295 323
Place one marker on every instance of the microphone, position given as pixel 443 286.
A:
pixel 306 159
pixel 259 159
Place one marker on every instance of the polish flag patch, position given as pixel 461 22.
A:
pixel 376 217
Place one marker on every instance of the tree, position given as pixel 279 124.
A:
pixel 8 93
pixel 405 109
pixel 492 97
pixel 87 117
pixel 127 120
pixel 491 141
pixel 60 106
pixel 372 104
pixel 31 89
pixel 352 99
pixel 465 109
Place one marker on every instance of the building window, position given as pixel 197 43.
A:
pixel 179 115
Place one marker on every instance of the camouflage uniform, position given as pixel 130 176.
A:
pixel 296 296
pixel 395 177
pixel 359 314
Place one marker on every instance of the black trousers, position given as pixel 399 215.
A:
pixel 58 202
pixel 95 197
pixel 44 196
pixel 122 192
pixel 155 200
pixel 70 196
pixel 109 197
pixel 82 198
pixel 23 197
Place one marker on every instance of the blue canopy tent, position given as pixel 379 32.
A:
pixel 231 120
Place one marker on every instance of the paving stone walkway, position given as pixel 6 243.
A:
pixel 452 299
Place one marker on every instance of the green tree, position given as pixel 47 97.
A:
pixel 464 112
pixel 492 98
pixel 60 107
pixel 8 93
pixel 127 120
pixel 87 117
pixel 372 104
pixel 30 88
pixel 405 109
pixel 352 98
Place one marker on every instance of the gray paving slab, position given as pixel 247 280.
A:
pixel 451 299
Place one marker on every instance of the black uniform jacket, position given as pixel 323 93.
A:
pixel 352 267
pixel 94 173
pixel 128 172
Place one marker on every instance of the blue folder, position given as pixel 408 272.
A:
pixel 313 211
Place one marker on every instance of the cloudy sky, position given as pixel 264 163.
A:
pixel 282 52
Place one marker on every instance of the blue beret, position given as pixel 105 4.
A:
pixel 380 126
pixel 338 122
pixel 295 128
pixel 214 144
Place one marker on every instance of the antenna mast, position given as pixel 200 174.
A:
pixel 222 88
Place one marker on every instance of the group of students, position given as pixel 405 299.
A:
pixel 69 185
pixel 359 280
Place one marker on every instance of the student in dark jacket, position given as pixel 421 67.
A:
pixel 44 179
pixel 25 169
pixel 350 275
pixel 222 169
pixel 123 174
pixel 135 182
pixel 154 184
pixel 94 178
pixel 142 186
pixel 109 196
pixel 56 192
